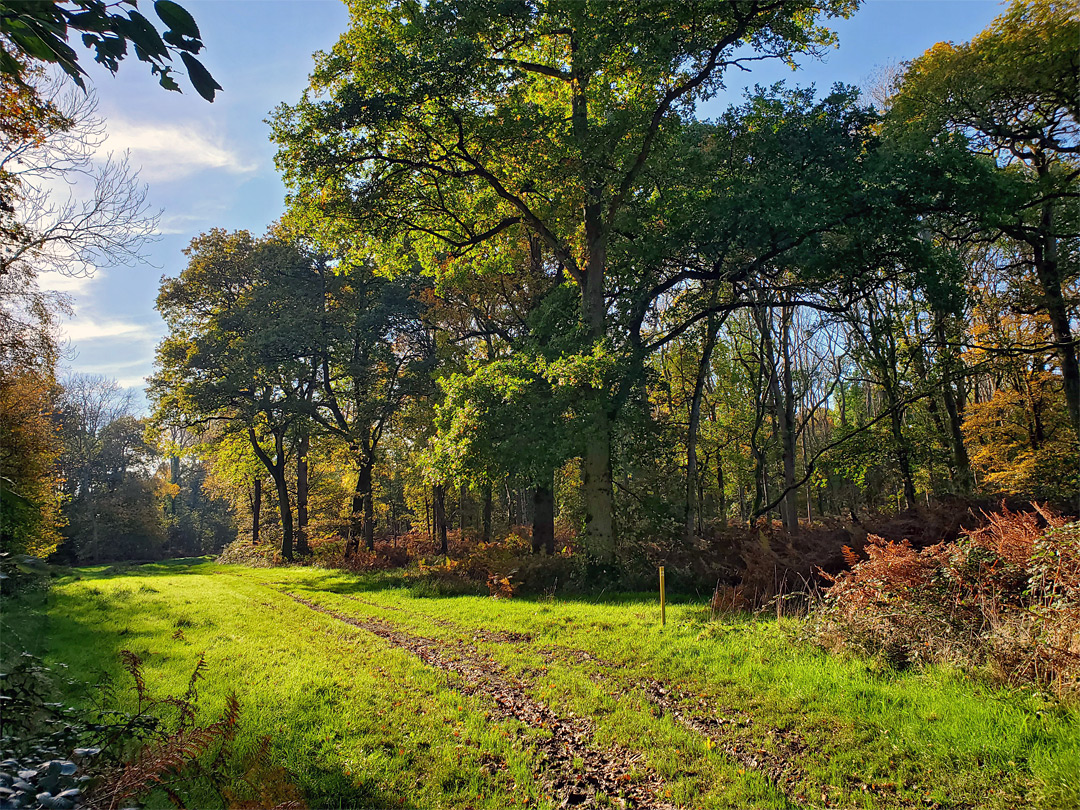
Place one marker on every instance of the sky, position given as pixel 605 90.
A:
pixel 211 165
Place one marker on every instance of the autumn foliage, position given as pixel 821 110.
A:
pixel 1005 596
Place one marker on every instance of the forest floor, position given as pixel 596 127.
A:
pixel 378 696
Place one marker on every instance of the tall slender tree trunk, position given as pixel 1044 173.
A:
pixel 543 528
pixel 303 446
pixel 788 429
pixel 962 480
pixel 256 510
pixel 692 505
pixel 721 493
pixel 903 458
pixel 174 478
pixel 783 402
pixel 1049 272
pixel 440 518
pixel 485 518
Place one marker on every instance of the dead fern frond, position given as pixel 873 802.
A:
pixel 133 665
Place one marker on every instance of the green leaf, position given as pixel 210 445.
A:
pixel 145 36
pixel 177 18
pixel 204 83
pixel 180 42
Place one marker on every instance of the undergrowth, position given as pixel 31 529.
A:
pixel 1004 598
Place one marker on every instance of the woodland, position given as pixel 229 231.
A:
pixel 519 283
pixel 530 328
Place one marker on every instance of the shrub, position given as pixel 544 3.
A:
pixel 1005 595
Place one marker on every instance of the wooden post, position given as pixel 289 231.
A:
pixel 663 606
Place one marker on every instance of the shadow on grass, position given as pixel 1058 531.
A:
pixel 341 581
pixel 85 651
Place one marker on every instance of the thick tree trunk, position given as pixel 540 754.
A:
pixel 903 458
pixel 485 518
pixel 256 511
pixel 1049 272
pixel 692 505
pixel 543 528
pixel 281 483
pixel 303 446
pixel 369 515
pixel 596 481
pixel 276 468
pixel 356 521
pixel 440 518
pixel 599 536
pixel 361 514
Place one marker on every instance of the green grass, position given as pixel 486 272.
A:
pixel 358 722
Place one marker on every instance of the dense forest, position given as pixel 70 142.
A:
pixel 521 282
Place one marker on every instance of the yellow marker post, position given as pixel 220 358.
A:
pixel 663 606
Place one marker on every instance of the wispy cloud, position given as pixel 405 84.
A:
pixel 172 152
pixel 77 284
pixel 81 329
pixel 172 224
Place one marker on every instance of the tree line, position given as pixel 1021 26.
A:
pixel 519 280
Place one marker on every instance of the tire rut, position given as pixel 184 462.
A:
pixel 715 726
pixel 614 772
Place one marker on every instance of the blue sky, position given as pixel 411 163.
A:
pixel 211 165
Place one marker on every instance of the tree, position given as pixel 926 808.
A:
pixel 242 349
pixel 49 134
pixel 30 448
pixel 446 124
pixel 103 221
pixel 373 357
pixel 38 32
pixel 1012 94
pixel 506 417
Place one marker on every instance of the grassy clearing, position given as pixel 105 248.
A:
pixel 361 722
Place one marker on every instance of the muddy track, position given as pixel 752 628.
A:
pixel 719 727
pixel 614 772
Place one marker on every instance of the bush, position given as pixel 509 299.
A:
pixel 1005 595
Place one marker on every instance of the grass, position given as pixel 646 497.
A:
pixel 360 722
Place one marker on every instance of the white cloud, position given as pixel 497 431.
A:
pixel 171 152
pixel 82 330
pixel 172 224
pixel 138 383
pixel 77 284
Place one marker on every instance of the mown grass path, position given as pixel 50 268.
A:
pixel 376 696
